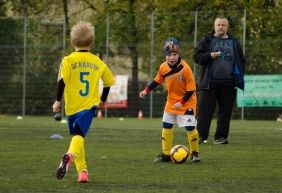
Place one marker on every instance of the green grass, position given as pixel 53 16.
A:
pixel 120 153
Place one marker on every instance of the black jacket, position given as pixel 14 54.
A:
pixel 203 58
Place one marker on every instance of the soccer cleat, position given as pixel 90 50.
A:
pixel 220 141
pixel 64 166
pixel 162 158
pixel 82 177
pixel 195 156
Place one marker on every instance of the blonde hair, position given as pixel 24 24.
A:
pixel 82 34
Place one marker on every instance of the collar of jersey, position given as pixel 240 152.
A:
pixel 82 51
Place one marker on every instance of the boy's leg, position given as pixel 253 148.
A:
pixel 80 161
pixel 188 120
pixel 74 151
pixel 76 145
pixel 77 148
pixel 167 138
pixel 78 125
pixel 81 167
pixel 82 125
pixel 193 139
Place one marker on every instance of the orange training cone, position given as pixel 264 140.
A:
pixel 140 114
pixel 99 115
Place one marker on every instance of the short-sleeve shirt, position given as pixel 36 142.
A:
pixel 81 73
pixel 177 81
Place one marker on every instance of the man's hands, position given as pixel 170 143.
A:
pixel 215 55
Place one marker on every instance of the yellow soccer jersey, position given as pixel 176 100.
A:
pixel 81 72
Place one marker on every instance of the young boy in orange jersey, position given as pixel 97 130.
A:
pixel 78 79
pixel 181 102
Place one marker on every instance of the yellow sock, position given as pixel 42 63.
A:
pixel 77 150
pixel 80 161
pixel 76 145
pixel 167 138
pixel 193 139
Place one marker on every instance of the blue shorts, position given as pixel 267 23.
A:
pixel 81 120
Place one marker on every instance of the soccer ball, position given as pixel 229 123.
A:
pixel 58 117
pixel 179 154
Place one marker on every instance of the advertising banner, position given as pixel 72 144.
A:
pixel 117 97
pixel 261 91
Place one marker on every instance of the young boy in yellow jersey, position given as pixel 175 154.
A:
pixel 180 106
pixel 78 80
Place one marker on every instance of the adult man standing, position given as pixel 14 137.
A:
pixel 222 68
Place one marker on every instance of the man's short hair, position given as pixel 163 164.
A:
pixel 221 17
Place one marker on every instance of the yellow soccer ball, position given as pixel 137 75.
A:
pixel 179 154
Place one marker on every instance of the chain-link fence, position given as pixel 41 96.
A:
pixel 31 51
pixel 30 54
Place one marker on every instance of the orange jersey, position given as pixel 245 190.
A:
pixel 177 81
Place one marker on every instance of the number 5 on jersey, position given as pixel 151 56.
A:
pixel 83 76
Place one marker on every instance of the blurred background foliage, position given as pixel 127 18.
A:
pixel 130 38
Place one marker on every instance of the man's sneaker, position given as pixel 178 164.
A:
pixel 220 141
pixel 201 141
pixel 162 158
pixel 195 156
pixel 64 165
pixel 82 177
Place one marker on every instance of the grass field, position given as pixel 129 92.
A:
pixel 120 154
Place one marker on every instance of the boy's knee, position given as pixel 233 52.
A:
pixel 167 125
pixel 190 128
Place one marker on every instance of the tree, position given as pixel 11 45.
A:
pixel 127 33
pixel 264 40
